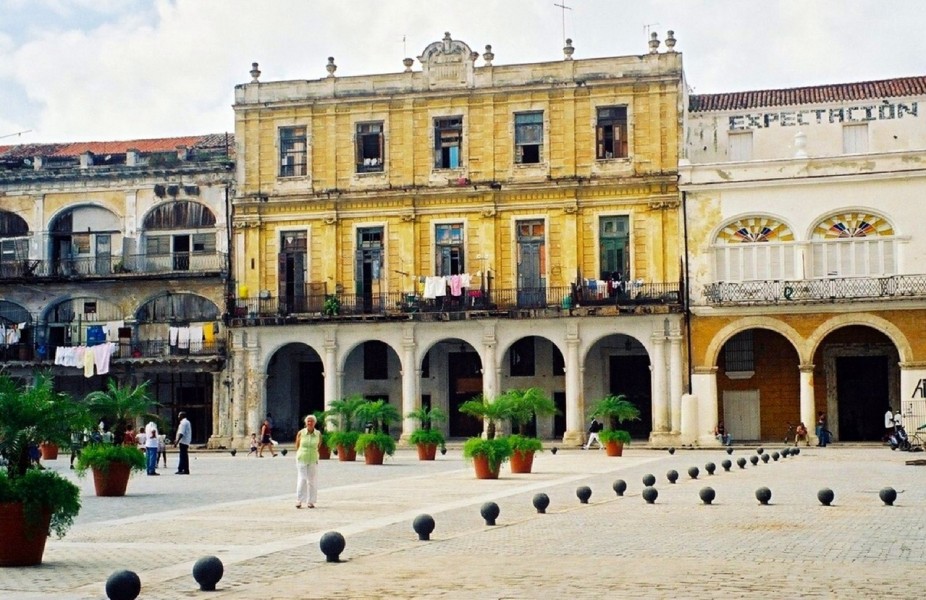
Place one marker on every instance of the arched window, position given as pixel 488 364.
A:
pixel 14 244
pixel 176 232
pixel 177 308
pixel 179 215
pixel 853 244
pixel 755 248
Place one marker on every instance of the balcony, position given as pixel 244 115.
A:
pixel 44 354
pixel 550 302
pixel 815 291
pixel 108 267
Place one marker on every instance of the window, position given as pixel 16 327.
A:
pixel 528 138
pixel 611 133
pixel 741 146
pixel 370 149
pixel 292 151
pixel 449 249
pixel 853 244
pixel 448 134
pixel 855 138
pixel 738 353
pixel 521 357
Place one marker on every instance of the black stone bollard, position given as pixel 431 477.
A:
pixel 443 450
pixel 332 544
pixel 775 456
pixel 541 502
pixel 584 493
pixel 554 450
pixel 650 494
pixel 825 496
pixel 741 462
pixel 693 472
pixel 759 451
pixel 726 464
pixel 754 459
pixel 729 450
pixel 284 451
pixel 335 452
pixel 619 487
pixel 765 458
pixel 763 495
pixel 489 512
pixel 423 526
pixel 796 451
pixel 649 479
pixel 123 585
pixel 672 476
pixel 785 452
pixel 207 572
pixel 888 495
pixel 707 495
pixel 710 468
pixel 671 450
pixel 233 452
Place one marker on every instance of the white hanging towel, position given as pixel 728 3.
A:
pixel 101 356
pixel 172 336
pixel 196 338
pixel 183 337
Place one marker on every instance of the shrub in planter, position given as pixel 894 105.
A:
pixel 35 501
pixel 426 438
pixel 523 407
pixel 375 446
pixel 377 415
pixel 523 449
pixel 112 465
pixel 493 452
pixel 345 442
pixel 615 410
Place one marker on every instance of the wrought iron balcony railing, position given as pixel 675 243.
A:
pixel 809 291
pixel 557 300
pixel 45 353
pixel 135 265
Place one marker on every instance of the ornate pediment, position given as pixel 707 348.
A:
pixel 448 63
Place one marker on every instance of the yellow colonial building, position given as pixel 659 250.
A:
pixel 456 229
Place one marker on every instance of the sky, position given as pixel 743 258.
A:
pixel 100 70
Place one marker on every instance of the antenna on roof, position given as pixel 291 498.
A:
pixel 647 26
pixel 17 133
pixel 564 9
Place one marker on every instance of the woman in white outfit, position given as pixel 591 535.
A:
pixel 307 441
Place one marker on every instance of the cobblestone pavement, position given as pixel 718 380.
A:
pixel 243 511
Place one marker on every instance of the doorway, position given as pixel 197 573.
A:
pixel 181 253
pixel 630 376
pixel 862 397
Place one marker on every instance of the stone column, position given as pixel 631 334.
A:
pixel 491 371
pixel 238 391
pixel 411 400
pixel 215 437
pixel 676 376
pixel 658 378
pixel 704 386
pixel 332 377
pixel 575 401
pixel 808 404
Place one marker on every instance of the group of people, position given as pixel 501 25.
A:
pixel 892 422
pixel 154 445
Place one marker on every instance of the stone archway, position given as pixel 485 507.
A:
pixel 295 387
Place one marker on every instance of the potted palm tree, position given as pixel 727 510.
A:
pixel 113 464
pixel 614 410
pixel 343 413
pixel 324 450
pixel 376 443
pixel 425 437
pixel 524 406
pixel 33 502
pixel 490 452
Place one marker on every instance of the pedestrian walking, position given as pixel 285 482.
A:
pixel 151 448
pixel 184 435
pixel 888 424
pixel 253 445
pixel 823 433
pixel 307 441
pixel 266 439
pixel 593 428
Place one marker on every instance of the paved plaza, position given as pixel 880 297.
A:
pixel 243 511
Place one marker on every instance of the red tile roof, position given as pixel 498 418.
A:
pixel 839 92
pixel 73 149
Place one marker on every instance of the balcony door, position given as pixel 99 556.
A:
pixel 531 250
pixel 292 268
pixel 104 254
pixel 182 252
pixel 368 265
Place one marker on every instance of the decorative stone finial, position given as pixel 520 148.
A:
pixel 488 56
pixel 474 56
pixel 408 62
pixel 670 41
pixel 255 73
pixel 653 43
pixel 331 67
pixel 568 50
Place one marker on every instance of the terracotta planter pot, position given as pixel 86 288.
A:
pixel 373 455
pixel 427 451
pixel 114 481
pixel 346 454
pixel 324 452
pixel 614 448
pixel 49 451
pixel 481 463
pixel 522 462
pixel 21 545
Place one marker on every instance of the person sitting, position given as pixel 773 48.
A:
pixel 722 436
pixel 800 434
